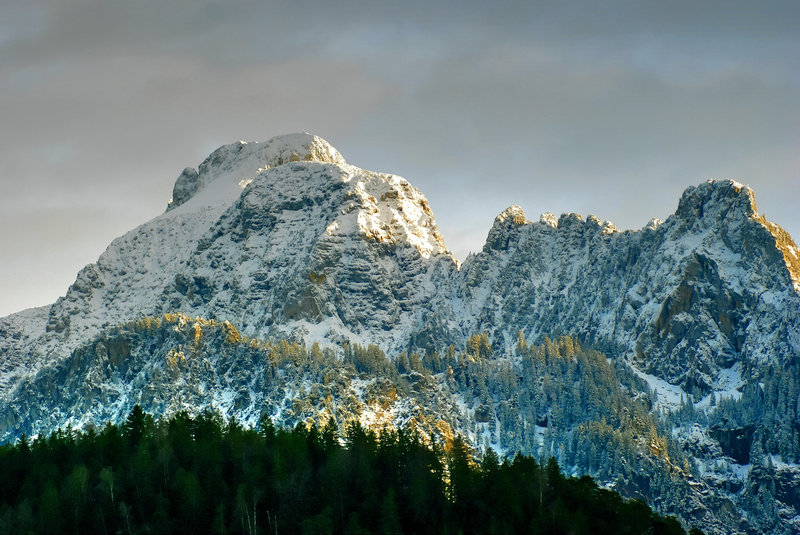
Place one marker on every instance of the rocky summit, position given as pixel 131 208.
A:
pixel 283 280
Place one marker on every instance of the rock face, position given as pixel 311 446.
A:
pixel 283 237
pixel 685 300
pixel 286 241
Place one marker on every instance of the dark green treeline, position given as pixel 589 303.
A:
pixel 203 475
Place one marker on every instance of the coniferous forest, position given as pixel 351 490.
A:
pixel 205 475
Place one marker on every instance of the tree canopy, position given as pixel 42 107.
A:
pixel 201 474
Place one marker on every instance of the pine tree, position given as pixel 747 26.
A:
pixel 134 427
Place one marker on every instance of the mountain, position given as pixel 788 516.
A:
pixel 283 280
pixel 715 286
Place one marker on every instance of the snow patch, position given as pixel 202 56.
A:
pixel 669 397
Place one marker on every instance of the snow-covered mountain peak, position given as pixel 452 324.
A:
pixel 728 205
pixel 513 213
pixel 392 210
pixel 504 226
pixel 549 219
pixel 295 147
pixel 653 224
pixel 606 227
pixel 570 220
pixel 715 201
pixel 237 163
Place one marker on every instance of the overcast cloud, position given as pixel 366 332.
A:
pixel 611 108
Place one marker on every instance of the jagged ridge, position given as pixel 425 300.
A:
pixel 708 286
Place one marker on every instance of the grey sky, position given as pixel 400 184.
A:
pixel 610 108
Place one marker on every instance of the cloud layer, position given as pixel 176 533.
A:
pixel 609 108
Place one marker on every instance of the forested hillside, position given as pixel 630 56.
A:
pixel 555 399
pixel 204 475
